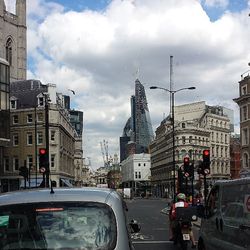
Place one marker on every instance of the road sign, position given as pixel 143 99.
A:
pixel 42 170
pixel 247 204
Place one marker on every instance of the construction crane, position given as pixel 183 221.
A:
pixel 103 156
pixel 105 153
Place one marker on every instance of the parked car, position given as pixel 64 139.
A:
pixel 63 218
pixel 226 223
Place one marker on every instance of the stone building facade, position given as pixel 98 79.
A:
pixel 197 127
pixel 27 135
pixel 13 39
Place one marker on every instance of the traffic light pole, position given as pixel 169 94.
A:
pixel 174 188
pixel 47 172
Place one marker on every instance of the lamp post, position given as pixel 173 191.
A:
pixel 172 93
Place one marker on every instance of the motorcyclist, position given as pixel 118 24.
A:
pixel 180 202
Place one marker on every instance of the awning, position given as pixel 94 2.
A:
pixel 33 183
pixel 66 182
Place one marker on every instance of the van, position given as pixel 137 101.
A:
pixel 226 223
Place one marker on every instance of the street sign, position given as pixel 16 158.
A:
pixel 42 170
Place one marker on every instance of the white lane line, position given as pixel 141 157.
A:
pixel 151 241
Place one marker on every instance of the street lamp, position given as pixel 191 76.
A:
pixel 172 92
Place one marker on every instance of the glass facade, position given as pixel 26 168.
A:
pixel 138 128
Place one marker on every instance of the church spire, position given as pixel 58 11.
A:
pixel 21 11
pixel 2 8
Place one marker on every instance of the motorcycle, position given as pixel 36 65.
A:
pixel 183 226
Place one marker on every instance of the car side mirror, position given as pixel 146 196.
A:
pixel 134 226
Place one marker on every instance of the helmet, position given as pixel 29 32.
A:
pixel 181 196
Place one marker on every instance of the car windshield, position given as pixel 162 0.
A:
pixel 61 225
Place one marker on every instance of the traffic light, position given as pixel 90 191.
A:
pixel 206 162
pixel 186 166
pixel 23 171
pixel 42 160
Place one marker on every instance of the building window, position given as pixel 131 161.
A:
pixel 183 125
pixel 139 175
pixel 15 140
pixel 245 160
pixel 226 149
pixel 244 90
pixel 15 164
pixel 6 163
pixel 52 160
pixel 40 117
pixel 245 136
pixel 13 104
pixel 190 139
pixel 144 164
pixel 29 118
pixel 183 140
pixel 29 138
pixel 225 138
pixel 139 164
pixel 244 113
pixel 39 138
pixel 9 51
pixel 15 119
pixel 221 138
pixel 52 135
pixel 29 161
pixel 136 176
pixel 41 101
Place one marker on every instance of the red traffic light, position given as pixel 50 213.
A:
pixel 42 151
pixel 206 152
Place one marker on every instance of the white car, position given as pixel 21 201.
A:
pixel 63 218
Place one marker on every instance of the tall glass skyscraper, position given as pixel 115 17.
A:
pixel 138 130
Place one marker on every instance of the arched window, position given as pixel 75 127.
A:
pixel 9 51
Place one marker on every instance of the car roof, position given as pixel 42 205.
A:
pixel 91 194
pixel 245 180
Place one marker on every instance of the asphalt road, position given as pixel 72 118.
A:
pixel 154 234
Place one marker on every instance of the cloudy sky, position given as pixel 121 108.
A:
pixel 97 48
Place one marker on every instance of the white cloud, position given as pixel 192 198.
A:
pixel 98 53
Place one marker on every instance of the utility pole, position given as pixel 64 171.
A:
pixel 47 172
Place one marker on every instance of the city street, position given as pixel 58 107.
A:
pixel 154 232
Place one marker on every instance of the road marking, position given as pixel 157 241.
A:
pixel 152 241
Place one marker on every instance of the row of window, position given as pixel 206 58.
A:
pixel 140 164
pixel 15 163
pixel 202 141
pixel 40 102
pixel 29 138
pixel 197 154
pixel 220 124
pixel 223 137
pixel 29 118
pixel 190 140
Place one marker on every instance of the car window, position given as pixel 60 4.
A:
pixel 233 204
pixel 58 226
pixel 213 201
